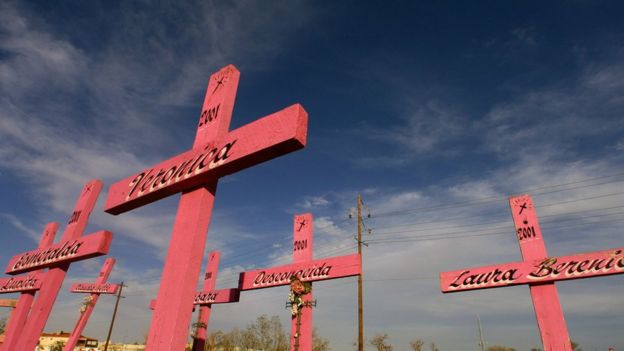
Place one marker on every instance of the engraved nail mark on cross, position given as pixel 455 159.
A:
pixel 302 223
pixel 220 80
pixel 522 207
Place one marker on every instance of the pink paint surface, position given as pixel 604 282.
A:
pixel 539 271
pixel 30 282
pixel 94 288
pixel 307 270
pixel 203 317
pixel 209 297
pixel 302 253
pixel 81 248
pixel 16 324
pixel 586 265
pixel 315 270
pixel 84 316
pixel 215 153
pixel 257 142
pixel 548 311
pixel 46 297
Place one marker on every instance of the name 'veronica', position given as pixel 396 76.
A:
pixel 150 180
pixel 50 255
pixel 19 284
pixel 280 278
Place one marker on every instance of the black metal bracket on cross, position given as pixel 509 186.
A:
pixel 310 304
pixel 200 325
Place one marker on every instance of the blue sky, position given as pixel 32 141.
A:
pixel 434 112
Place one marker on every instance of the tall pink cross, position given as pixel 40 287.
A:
pixel 307 270
pixel 215 153
pixel 539 271
pixel 209 296
pixel 94 290
pixel 57 257
pixel 17 322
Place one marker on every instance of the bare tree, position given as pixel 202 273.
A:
pixel 433 347
pixel 319 343
pixel 417 344
pixel 380 342
pixel 575 346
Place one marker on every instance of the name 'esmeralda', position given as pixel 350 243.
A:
pixel 284 277
pixel 209 158
pixel 38 258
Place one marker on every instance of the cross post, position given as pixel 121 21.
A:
pixel 306 269
pixel 216 152
pixel 545 297
pixel 94 290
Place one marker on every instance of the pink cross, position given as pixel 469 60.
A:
pixel 216 152
pixel 306 269
pixel 99 287
pixel 17 322
pixel 209 296
pixel 539 271
pixel 56 257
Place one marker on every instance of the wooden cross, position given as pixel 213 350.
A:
pixel 215 153
pixel 94 290
pixel 16 323
pixel 307 270
pixel 539 271
pixel 57 257
pixel 209 296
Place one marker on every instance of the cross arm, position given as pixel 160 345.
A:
pixel 28 282
pixel 81 248
pixel 267 138
pixel 94 288
pixel 551 269
pixel 209 297
pixel 314 270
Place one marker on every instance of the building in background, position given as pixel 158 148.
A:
pixel 48 342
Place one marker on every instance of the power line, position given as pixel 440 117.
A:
pixel 434 237
pixel 447 219
pixel 500 223
pixel 489 199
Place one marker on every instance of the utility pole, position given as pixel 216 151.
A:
pixel 360 298
pixel 481 341
pixel 110 329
